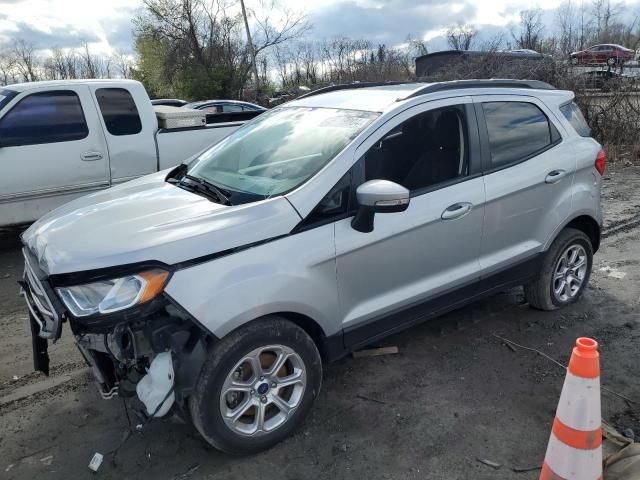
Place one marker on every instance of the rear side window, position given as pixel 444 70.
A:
pixel 572 112
pixel 46 117
pixel 118 111
pixel 517 131
pixel 230 107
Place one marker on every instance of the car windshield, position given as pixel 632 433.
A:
pixel 278 151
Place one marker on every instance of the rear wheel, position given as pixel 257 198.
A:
pixel 612 61
pixel 565 272
pixel 257 386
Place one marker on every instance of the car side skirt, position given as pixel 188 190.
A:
pixel 338 345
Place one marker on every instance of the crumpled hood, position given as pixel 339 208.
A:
pixel 149 219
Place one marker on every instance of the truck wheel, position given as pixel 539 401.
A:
pixel 565 272
pixel 257 386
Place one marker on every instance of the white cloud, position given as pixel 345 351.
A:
pixel 106 24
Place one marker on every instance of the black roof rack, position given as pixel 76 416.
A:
pixel 438 86
pixel 489 83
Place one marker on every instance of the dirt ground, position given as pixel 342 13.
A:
pixel 453 395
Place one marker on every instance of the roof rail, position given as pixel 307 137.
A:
pixel 489 83
pixel 438 86
pixel 349 86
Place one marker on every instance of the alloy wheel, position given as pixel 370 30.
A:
pixel 569 273
pixel 262 392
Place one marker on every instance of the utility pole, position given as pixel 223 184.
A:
pixel 252 49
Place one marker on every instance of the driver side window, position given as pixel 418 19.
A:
pixel 426 150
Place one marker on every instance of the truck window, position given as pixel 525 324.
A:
pixel 44 117
pixel 119 111
pixel 517 131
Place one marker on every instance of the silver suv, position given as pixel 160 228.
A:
pixel 215 291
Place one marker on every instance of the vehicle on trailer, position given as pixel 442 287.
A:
pixel 169 102
pixel 609 53
pixel 66 138
pixel 216 290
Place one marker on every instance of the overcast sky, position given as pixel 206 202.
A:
pixel 106 24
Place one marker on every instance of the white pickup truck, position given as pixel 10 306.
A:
pixel 63 139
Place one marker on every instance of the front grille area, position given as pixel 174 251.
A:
pixel 38 301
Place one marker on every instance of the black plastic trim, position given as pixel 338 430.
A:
pixel 372 330
pixel 490 83
pixel 198 127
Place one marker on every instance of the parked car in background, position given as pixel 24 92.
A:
pixel 220 287
pixel 608 53
pixel 224 106
pixel 526 51
pixel 63 139
pixel 602 80
pixel 169 102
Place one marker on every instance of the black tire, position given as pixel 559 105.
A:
pixel 539 293
pixel 612 61
pixel 204 403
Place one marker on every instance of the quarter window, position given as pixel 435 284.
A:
pixel 572 112
pixel 119 111
pixel 46 117
pixel 517 131
pixel 426 150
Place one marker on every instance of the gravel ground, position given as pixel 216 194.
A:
pixel 454 394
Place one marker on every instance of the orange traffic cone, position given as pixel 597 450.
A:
pixel 575 446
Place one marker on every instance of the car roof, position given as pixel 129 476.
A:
pixel 21 87
pixel 373 99
pixel 380 97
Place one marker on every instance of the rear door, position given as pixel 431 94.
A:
pixel 528 176
pixel 52 148
pixel 129 129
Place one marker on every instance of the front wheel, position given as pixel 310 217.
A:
pixel 257 386
pixel 565 272
pixel 612 61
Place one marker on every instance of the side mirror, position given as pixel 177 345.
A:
pixel 378 196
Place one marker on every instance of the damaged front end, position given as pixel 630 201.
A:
pixel 136 340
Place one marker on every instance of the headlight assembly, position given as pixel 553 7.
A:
pixel 108 296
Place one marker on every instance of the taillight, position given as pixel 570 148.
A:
pixel 601 162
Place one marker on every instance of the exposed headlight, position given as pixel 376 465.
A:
pixel 109 296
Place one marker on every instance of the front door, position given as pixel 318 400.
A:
pixel 51 149
pixel 430 249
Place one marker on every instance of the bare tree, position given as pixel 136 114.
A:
pixel 123 63
pixel 7 69
pixel 209 40
pixel 26 59
pixel 461 37
pixel 531 27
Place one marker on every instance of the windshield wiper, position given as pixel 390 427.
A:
pixel 207 188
